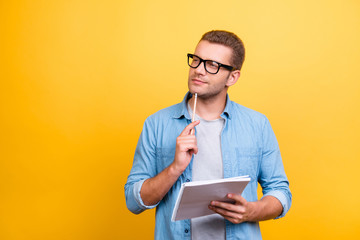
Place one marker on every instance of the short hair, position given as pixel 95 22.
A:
pixel 228 39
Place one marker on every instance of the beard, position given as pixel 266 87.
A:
pixel 208 90
pixel 211 93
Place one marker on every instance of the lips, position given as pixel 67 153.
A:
pixel 198 81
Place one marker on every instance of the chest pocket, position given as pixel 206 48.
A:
pixel 164 157
pixel 247 162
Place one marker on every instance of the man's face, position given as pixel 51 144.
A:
pixel 208 85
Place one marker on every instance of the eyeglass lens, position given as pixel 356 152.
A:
pixel 210 66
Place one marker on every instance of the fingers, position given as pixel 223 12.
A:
pixel 234 212
pixel 194 150
pixel 233 217
pixel 229 207
pixel 237 198
pixel 239 201
pixel 188 128
pixel 186 143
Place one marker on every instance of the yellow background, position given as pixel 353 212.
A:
pixel 78 79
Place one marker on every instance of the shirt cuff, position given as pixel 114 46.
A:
pixel 139 201
pixel 283 200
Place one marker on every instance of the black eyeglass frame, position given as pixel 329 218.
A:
pixel 189 55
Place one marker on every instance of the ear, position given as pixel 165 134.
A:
pixel 233 77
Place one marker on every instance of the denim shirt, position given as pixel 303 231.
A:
pixel 248 145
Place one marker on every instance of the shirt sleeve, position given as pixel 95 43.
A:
pixel 144 167
pixel 272 177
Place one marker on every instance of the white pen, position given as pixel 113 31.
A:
pixel 193 115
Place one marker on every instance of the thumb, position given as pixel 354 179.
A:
pixel 237 198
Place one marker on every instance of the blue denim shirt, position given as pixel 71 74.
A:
pixel 248 145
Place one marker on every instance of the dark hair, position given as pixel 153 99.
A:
pixel 228 39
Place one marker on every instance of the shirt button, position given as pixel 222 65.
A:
pixel 186 230
pixel 188 180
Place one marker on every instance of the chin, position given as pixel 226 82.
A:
pixel 195 89
pixel 192 90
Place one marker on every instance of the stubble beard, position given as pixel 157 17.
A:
pixel 211 91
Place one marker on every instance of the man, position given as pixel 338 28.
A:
pixel 230 140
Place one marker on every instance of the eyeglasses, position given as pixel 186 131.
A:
pixel 211 66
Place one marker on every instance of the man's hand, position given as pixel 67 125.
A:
pixel 267 208
pixel 186 146
pixel 238 212
pixel 155 188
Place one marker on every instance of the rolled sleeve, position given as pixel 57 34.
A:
pixel 284 200
pixel 138 199
pixel 272 175
pixel 134 201
pixel 142 169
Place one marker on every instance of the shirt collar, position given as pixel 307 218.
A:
pixel 181 111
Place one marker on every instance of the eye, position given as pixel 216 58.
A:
pixel 212 64
pixel 195 60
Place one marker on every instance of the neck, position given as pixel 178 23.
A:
pixel 209 108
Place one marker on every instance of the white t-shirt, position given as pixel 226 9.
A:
pixel 207 165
